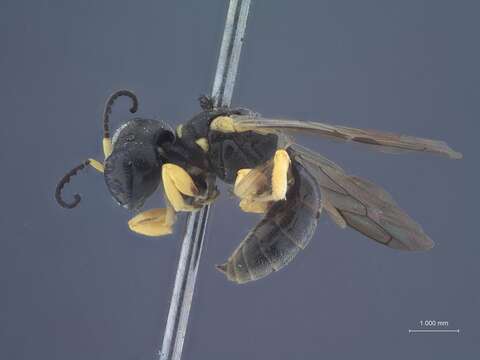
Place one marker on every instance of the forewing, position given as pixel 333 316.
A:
pixel 383 141
pixel 363 205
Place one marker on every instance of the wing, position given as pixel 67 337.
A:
pixel 362 205
pixel 378 139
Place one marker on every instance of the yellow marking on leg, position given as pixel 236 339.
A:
pixel 181 178
pixel 241 174
pixel 281 164
pixel 238 189
pixel 97 165
pixel 179 130
pixel 249 182
pixel 154 222
pixel 203 143
pixel 252 206
pixel 279 180
pixel 172 193
pixel 107 147
pixel 176 181
pixel 170 216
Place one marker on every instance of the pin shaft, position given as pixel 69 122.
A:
pixel 184 287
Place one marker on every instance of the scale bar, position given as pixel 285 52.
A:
pixel 434 331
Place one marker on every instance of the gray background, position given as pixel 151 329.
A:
pixel 78 285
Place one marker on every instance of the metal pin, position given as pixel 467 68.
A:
pixel 180 304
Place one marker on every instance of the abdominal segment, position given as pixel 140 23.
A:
pixel 286 228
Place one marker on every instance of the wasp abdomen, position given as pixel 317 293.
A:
pixel 286 229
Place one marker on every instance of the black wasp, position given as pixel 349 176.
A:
pixel 270 174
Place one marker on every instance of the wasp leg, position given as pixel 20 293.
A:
pixel 209 192
pixel 251 189
pixel 154 222
pixel 252 206
pixel 247 189
pixel 177 183
pixel 279 180
pixel 281 165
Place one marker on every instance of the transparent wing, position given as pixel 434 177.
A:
pixel 378 139
pixel 362 205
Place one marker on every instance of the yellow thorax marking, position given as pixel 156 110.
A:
pixel 180 130
pixel 224 124
pixel 227 124
pixel 203 143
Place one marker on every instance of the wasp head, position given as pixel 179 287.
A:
pixel 133 170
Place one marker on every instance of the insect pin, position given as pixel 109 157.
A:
pixel 270 174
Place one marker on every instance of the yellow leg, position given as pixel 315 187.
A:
pixel 248 187
pixel 176 181
pixel 154 222
pixel 241 175
pixel 250 183
pixel 281 164
pixel 279 181
pixel 252 206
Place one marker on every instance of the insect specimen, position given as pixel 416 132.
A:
pixel 271 175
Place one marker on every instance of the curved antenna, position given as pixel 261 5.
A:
pixel 109 105
pixel 61 184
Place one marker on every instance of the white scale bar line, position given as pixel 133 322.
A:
pixel 434 331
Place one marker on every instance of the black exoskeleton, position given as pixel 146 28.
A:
pixel 270 175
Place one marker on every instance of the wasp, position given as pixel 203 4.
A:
pixel 270 174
